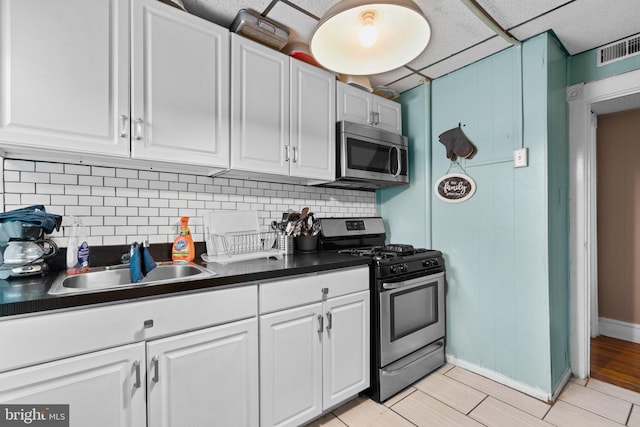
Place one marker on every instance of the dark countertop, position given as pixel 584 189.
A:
pixel 29 295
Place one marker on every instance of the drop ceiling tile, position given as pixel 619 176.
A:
pixel 315 7
pixel 585 24
pixel 384 79
pixel 467 57
pixel 504 12
pixel 300 25
pixel 453 29
pixel 407 83
pixel 222 12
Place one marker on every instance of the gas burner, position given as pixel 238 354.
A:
pixel 400 249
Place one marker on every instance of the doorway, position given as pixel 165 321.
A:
pixel 615 352
pixel 612 94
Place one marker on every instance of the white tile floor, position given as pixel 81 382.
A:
pixel 453 396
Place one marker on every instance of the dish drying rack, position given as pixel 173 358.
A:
pixel 233 236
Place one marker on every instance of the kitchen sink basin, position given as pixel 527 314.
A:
pixel 117 277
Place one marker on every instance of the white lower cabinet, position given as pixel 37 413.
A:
pixel 192 361
pixel 103 389
pixel 314 356
pixel 203 378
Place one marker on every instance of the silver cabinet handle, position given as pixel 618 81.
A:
pixel 376 118
pixel 136 366
pixel 329 320
pixel 286 153
pixel 154 364
pixel 325 292
pixel 321 323
pixel 124 124
pixel 138 129
pixel 371 118
pixel 295 154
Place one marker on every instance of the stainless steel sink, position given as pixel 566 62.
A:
pixel 117 277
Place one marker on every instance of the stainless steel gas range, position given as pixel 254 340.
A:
pixel 408 290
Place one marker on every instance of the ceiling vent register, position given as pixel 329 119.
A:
pixel 619 50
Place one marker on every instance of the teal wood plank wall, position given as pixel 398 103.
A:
pixel 582 67
pixel 407 210
pixel 506 247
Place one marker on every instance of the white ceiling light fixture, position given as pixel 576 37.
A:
pixel 364 37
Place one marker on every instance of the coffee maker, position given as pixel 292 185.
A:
pixel 26 250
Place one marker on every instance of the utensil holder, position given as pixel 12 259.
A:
pixel 285 244
pixel 306 243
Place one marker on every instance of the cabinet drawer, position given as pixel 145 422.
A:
pixel 41 338
pixel 300 290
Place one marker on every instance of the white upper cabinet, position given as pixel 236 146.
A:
pixel 259 108
pixel 65 78
pixel 313 127
pixel 64 75
pixel 282 114
pixel 180 85
pixel 356 105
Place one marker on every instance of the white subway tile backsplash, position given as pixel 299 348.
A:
pixel 19 165
pixel 165 176
pixel 80 190
pixel 115 182
pixel 102 171
pixel 63 179
pixel 159 185
pixel 19 187
pixel 35 199
pixel 119 206
pixel 77 169
pixel 127 173
pixel 96 181
pixel 49 167
pixel 34 177
pixel 50 188
pixel 149 175
pixel 80 211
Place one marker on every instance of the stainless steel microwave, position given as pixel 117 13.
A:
pixel 370 158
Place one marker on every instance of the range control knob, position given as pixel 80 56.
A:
pixel 399 268
pixel 430 263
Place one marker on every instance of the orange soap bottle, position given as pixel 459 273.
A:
pixel 183 247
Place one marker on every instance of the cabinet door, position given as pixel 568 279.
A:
pixel 64 75
pixel 346 347
pixel 354 105
pixel 291 366
pixel 388 114
pixel 203 378
pixel 180 105
pixel 102 389
pixel 313 122
pixel 259 108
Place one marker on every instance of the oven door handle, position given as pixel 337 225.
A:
pixel 406 283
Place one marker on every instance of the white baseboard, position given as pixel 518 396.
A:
pixel 619 329
pixel 511 383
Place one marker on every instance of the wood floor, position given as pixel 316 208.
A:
pixel 616 362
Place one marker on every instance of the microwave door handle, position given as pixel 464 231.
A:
pixel 398 161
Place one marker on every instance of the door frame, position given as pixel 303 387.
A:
pixel 583 208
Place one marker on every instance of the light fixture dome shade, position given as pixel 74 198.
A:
pixel 403 30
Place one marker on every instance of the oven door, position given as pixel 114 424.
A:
pixel 411 315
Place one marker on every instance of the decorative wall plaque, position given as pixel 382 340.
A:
pixel 455 187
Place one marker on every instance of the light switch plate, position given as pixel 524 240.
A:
pixel 520 158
